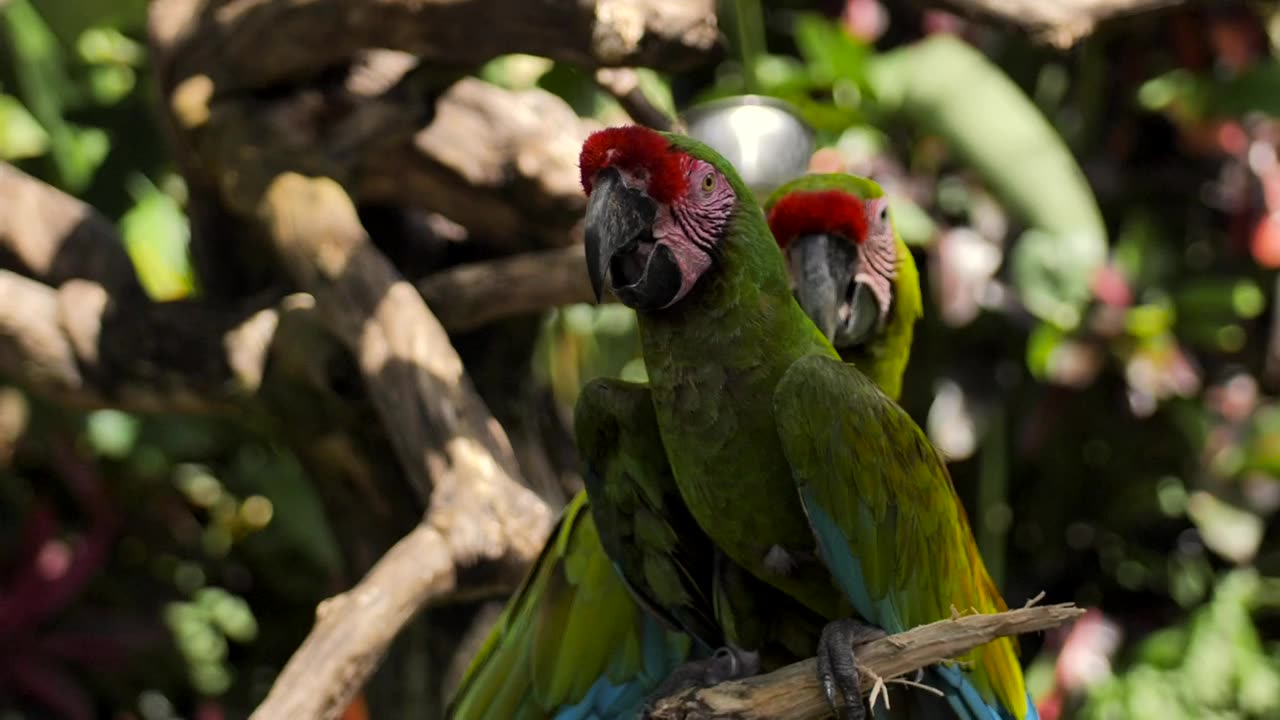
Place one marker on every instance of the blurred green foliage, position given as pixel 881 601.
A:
pixel 1215 665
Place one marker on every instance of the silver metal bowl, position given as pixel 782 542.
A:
pixel 765 138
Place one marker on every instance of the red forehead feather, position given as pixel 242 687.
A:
pixel 820 211
pixel 636 150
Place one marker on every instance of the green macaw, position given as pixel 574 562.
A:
pixel 794 464
pixel 639 505
pixel 824 237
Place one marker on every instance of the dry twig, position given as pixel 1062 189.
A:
pixel 792 693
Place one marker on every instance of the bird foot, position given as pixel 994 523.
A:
pixel 727 663
pixel 837 670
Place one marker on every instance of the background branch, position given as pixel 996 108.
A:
pixel 55 237
pixel 792 692
pixel 624 85
pixel 354 628
pixel 98 341
pixel 212 38
pixel 468 296
pixel 448 444
pixel 501 163
pixel 1059 22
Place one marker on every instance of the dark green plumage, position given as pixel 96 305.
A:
pixel 647 530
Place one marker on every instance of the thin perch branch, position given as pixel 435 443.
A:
pixel 793 693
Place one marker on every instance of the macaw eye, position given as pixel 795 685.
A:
pixel 884 212
pixel 708 182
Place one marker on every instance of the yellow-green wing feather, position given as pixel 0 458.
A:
pixel 571 624
pixel 885 514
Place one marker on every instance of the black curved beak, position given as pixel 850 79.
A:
pixel 618 218
pixel 822 272
pixel 815 282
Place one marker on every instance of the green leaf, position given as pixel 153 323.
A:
pixel 1054 274
pixel 156 235
pixel 230 613
pixel 21 136
pixel 743 25
pixel 1262 444
pixel 950 89
pixel 1209 96
pixel 912 222
pixel 582 93
pixel 1218 300
pixel 111 433
pixel 69 18
pixel 46 89
pixel 299 532
pixel 515 71
pixel 1041 344
pixel 1229 531
pixel 1139 251
pixel 109 84
pixel 1165 648
pixel 1149 321
pixel 657 89
pixel 831 53
pixel 108 46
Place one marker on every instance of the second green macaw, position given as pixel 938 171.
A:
pixel 533 664
pixel 792 462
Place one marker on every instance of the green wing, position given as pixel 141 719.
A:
pixel 646 528
pixel 571 635
pixel 887 519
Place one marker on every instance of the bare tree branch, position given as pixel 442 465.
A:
pixel 502 164
pixel 1059 22
pixel 792 693
pixel 237 43
pixel 33 348
pixel 443 434
pixel 354 628
pixel 79 346
pixel 89 346
pixel 55 237
pixel 468 296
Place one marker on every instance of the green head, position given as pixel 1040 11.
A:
pixel 850 271
pixel 664 212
